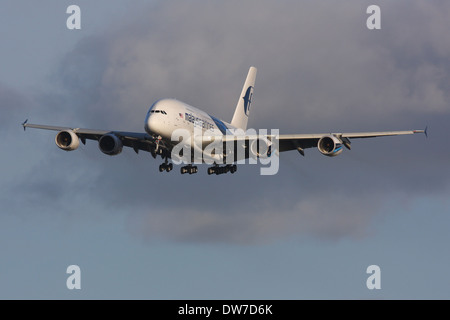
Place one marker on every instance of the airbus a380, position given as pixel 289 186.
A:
pixel 167 116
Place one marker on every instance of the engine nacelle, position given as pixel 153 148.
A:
pixel 330 146
pixel 67 140
pixel 110 144
pixel 261 148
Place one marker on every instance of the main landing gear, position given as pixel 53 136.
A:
pixel 193 169
pixel 221 170
pixel 189 169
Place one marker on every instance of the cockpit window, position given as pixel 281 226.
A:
pixel 158 111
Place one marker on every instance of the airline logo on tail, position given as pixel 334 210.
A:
pixel 248 100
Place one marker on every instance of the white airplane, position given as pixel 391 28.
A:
pixel 166 116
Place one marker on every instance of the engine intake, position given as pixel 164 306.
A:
pixel 67 140
pixel 110 144
pixel 330 146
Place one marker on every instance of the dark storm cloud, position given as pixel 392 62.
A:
pixel 319 70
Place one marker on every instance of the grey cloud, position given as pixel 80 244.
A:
pixel 307 217
pixel 12 104
pixel 320 70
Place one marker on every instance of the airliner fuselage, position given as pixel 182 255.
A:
pixel 167 115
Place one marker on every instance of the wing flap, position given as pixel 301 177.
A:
pixel 377 134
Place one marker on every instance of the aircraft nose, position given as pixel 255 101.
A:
pixel 156 124
pixel 151 124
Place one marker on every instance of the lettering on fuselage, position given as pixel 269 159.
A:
pixel 198 122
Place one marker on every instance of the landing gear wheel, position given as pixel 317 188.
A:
pixel 221 170
pixel 193 169
pixel 165 167
pixel 189 169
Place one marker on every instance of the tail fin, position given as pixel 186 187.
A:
pixel 240 117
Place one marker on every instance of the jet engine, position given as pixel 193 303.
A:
pixel 261 147
pixel 330 146
pixel 67 140
pixel 110 144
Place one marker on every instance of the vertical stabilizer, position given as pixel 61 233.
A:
pixel 242 111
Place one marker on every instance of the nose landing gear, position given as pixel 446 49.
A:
pixel 165 167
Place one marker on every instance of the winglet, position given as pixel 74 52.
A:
pixel 425 131
pixel 24 124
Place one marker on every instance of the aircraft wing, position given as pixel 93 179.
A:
pixel 304 141
pixel 287 142
pixel 136 140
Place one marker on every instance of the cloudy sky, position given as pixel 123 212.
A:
pixel 308 232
